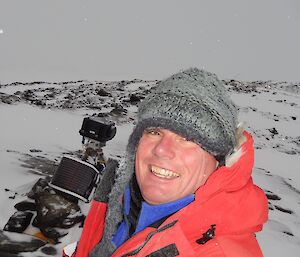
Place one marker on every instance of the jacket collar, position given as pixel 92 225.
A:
pixel 228 199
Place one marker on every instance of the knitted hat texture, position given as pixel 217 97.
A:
pixel 192 103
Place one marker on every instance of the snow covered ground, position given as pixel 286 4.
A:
pixel 40 123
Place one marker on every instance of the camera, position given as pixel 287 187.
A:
pixel 76 177
pixel 94 128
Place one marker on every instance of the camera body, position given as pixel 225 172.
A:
pixel 78 178
pixel 94 128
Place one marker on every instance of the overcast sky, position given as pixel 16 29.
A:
pixel 111 40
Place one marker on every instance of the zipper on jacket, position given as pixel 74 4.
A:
pixel 208 235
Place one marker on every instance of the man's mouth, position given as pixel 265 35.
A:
pixel 164 173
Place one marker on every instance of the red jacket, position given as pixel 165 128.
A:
pixel 229 207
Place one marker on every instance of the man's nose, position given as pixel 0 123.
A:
pixel 164 148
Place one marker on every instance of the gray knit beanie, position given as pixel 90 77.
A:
pixel 192 103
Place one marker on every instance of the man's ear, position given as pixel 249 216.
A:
pixel 217 164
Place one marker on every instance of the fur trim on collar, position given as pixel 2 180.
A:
pixel 115 211
pixel 232 158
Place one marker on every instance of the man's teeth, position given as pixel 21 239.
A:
pixel 163 173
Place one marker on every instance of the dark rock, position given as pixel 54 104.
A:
pixel 288 233
pixel 120 89
pixel 67 105
pixel 19 221
pixel 102 114
pixel 53 210
pixel 122 83
pixel 102 92
pixel 96 107
pixel 271 196
pixel 28 95
pixel 50 95
pixel 39 102
pixel 291 152
pixel 9 99
pixel 273 131
pixel 69 96
pixel 18 93
pixel 3 254
pixel 296 141
pixel 49 250
pixel 283 210
pixel 38 187
pixel 53 234
pixel 13 196
pixel 25 206
pixel 293 117
pixel 118 110
pixel 11 242
pixel 134 98
pixel 35 150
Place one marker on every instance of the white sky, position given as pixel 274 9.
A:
pixel 112 40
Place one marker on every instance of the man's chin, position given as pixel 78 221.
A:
pixel 153 199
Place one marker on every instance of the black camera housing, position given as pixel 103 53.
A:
pixel 75 177
pixel 97 129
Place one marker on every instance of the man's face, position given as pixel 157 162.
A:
pixel 168 167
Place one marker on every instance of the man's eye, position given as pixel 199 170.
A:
pixel 183 139
pixel 152 131
pixel 186 141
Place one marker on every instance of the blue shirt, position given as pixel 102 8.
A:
pixel 148 215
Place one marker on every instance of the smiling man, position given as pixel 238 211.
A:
pixel 169 167
pixel 184 187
